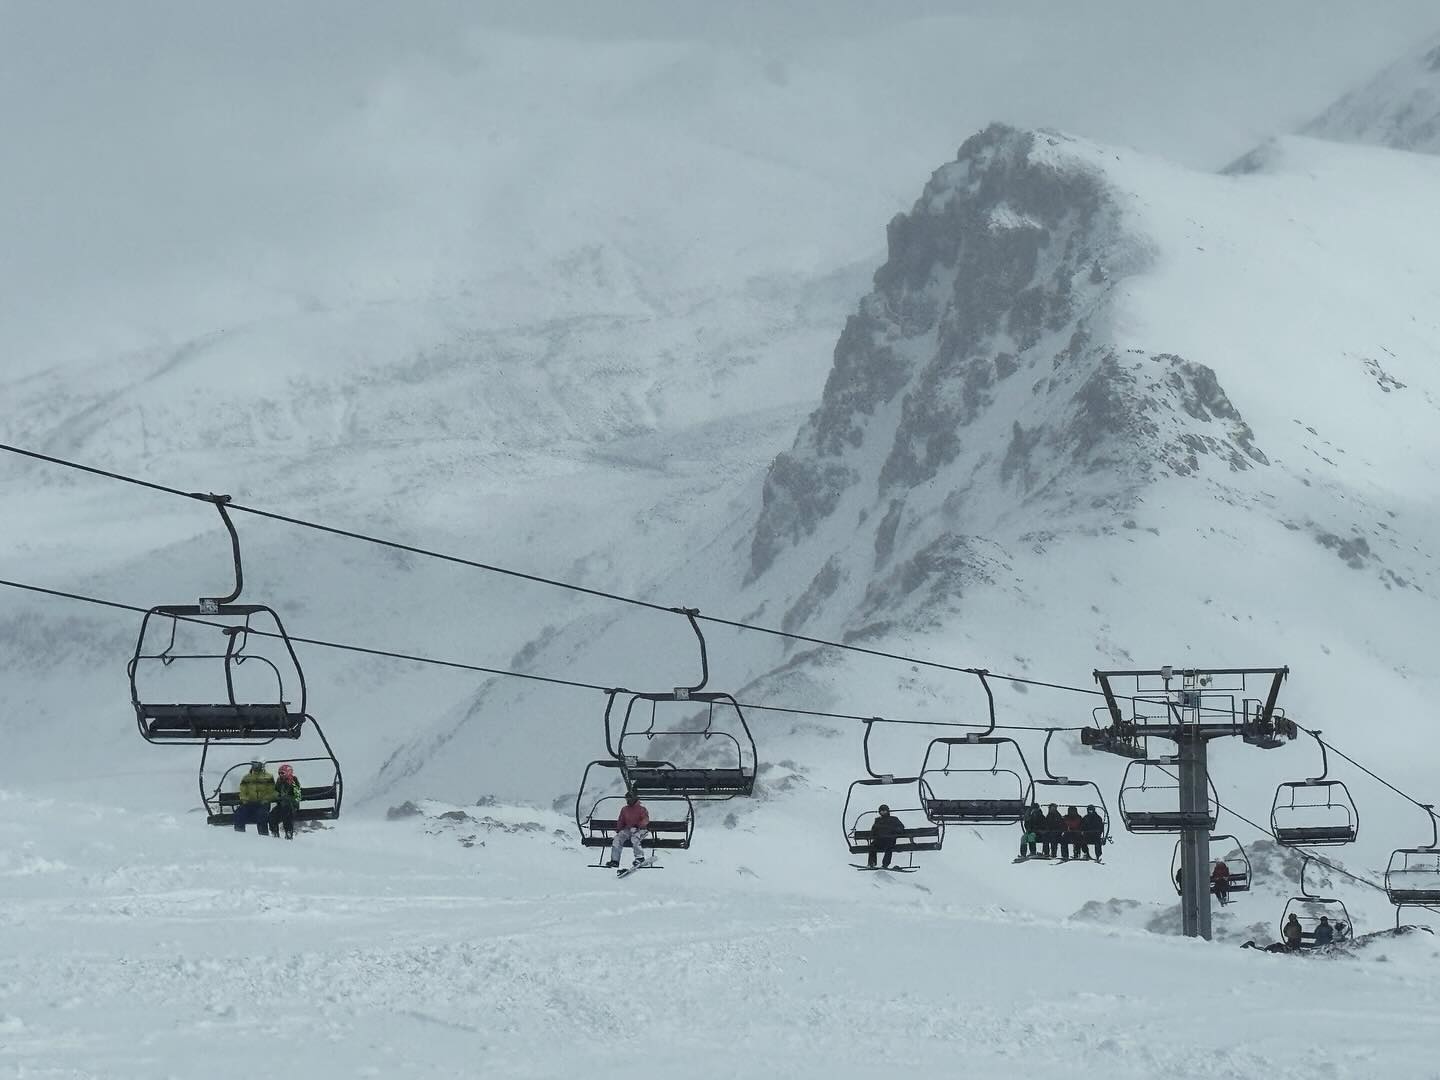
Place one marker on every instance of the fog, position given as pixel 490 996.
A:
pixel 173 168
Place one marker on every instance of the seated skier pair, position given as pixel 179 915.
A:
pixel 268 802
pixel 1046 833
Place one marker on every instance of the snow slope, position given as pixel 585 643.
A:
pixel 139 946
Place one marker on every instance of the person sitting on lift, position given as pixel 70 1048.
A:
pixel 257 792
pixel 1092 831
pixel 287 802
pixel 1072 838
pixel 1292 932
pixel 883 831
pixel 1031 828
pixel 1324 933
pixel 1053 832
pixel 632 827
pixel 1220 881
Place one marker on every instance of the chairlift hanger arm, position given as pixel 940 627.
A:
pixel 220 502
pixel 690 616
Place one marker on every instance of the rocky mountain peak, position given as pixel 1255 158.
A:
pixel 979 379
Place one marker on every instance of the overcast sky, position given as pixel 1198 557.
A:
pixel 172 166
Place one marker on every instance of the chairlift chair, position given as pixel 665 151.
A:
pixel 1315 812
pixel 955 804
pixel 1308 909
pixel 724 723
pixel 1137 806
pixel 318 802
pixel 1413 875
pixel 1051 788
pixel 908 841
pixel 597 816
pixel 1233 856
pixel 272 706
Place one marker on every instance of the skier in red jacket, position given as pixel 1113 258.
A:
pixel 1220 881
pixel 632 827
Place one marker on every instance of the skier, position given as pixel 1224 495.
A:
pixel 1324 933
pixel 257 792
pixel 631 827
pixel 1030 830
pixel 1092 831
pixel 883 831
pixel 1071 838
pixel 1053 832
pixel 287 802
pixel 1220 881
pixel 1292 932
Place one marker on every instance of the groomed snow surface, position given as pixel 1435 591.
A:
pixel 151 946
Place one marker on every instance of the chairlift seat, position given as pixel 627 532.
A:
pixel 959 811
pixel 694 782
pixel 221 723
pixel 1315 834
pixel 1155 821
pixel 1401 895
pixel 924 838
pixel 325 793
pixel 674 835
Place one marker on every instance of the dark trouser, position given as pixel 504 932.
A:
pixel 1047 844
pixel 282 815
pixel 885 846
pixel 1091 842
pixel 1221 889
pixel 257 812
pixel 1065 839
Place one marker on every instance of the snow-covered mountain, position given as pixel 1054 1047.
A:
pixel 579 316
pixel 1399 108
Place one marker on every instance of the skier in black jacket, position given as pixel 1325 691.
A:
pixel 1092 833
pixel 1052 832
pixel 883 831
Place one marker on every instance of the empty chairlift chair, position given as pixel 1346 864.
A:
pixel 187 689
pixel 1413 875
pixel 979 779
pixel 1316 812
pixel 597 809
pixel 1149 798
pixel 705 752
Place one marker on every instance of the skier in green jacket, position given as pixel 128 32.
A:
pixel 257 792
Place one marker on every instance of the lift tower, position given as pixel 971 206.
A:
pixel 1189 707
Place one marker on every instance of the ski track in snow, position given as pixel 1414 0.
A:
pixel 143 948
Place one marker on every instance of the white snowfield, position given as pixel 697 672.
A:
pixel 590 385
pixel 147 946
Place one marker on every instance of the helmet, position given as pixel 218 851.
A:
pixel 631 798
pixel 256 765
pixel 287 770
pixel 884 809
